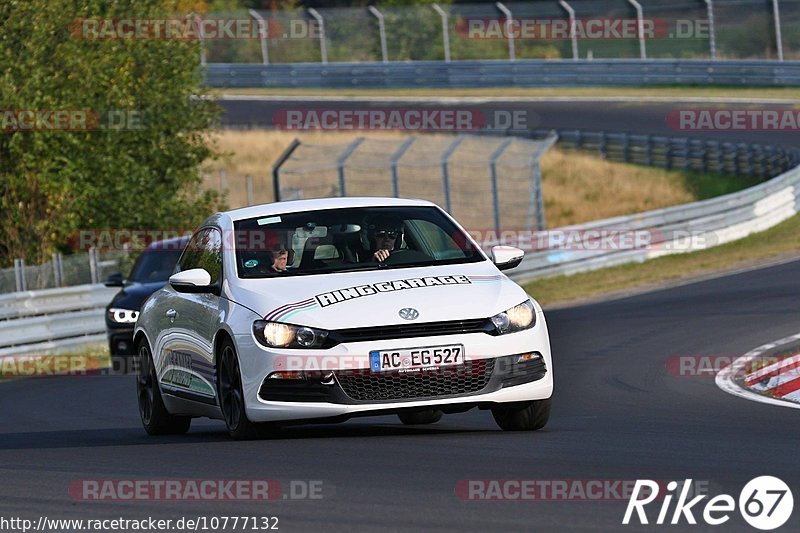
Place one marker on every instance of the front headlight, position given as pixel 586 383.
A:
pixel 519 317
pixel 123 316
pixel 278 335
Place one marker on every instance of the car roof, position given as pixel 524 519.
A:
pixel 176 243
pixel 293 206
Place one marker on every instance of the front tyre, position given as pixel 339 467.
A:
pixel 528 416
pixel 231 396
pixel 155 417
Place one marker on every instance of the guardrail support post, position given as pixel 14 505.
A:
pixel 341 161
pixel 381 31
pixel 445 32
pixel 495 189
pixel 512 53
pixel 19 275
pixel 446 171
pixel 640 22
pixel 712 30
pixel 323 46
pixel 573 28
pixel 395 159
pixel 776 11
pixel 276 168
pixel 263 28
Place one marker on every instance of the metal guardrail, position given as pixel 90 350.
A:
pixel 710 223
pixel 683 153
pixel 38 321
pixel 520 73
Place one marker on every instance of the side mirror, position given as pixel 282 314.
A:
pixel 507 257
pixel 115 280
pixel 196 280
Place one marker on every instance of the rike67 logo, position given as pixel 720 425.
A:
pixel 765 503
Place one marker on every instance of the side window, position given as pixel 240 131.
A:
pixel 203 251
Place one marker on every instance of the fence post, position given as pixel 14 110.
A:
pixel 323 46
pixel 19 275
pixel 446 172
pixel 495 189
pixel 712 31
pixel 58 275
pixel 640 21
pixel 381 31
pixel 200 37
pixel 341 161
pixel 573 28
pixel 276 186
pixel 221 181
pixel 93 271
pixel 262 35
pixel 537 200
pixel 445 32
pixel 395 159
pixel 776 11
pixel 249 184
pixel 512 53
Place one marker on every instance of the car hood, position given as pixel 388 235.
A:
pixel 371 298
pixel 133 296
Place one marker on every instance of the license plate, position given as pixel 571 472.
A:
pixel 417 358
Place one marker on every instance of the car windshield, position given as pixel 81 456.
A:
pixel 155 265
pixel 340 240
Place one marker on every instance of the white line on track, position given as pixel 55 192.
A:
pixel 725 377
pixel 498 99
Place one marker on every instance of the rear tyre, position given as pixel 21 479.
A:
pixel 428 416
pixel 231 397
pixel 528 416
pixel 155 417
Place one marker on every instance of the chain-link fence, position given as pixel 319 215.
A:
pixel 485 182
pixel 93 266
pixel 552 29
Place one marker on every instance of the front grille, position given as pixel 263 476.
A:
pixel 404 331
pixel 470 378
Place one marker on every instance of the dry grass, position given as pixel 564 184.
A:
pixel 577 187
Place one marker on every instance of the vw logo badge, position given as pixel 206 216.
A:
pixel 409 313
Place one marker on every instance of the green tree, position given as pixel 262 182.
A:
pixel 143 176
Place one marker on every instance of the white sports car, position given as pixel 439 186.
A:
pixel 322 310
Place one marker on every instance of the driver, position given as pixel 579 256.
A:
pixel 385 234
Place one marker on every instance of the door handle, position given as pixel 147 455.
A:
pixel 172 314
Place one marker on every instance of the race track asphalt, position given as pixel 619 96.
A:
pixel 618 415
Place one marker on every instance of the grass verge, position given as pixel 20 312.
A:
pixel 779 242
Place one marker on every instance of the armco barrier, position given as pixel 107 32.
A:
pixel 521 73
pixel 712 222
pixel 49 319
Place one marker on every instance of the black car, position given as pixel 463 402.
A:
pixel 150 272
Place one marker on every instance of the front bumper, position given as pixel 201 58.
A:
pixel 120 340
pixel 491 376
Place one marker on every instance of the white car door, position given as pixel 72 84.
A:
pixel 187 357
